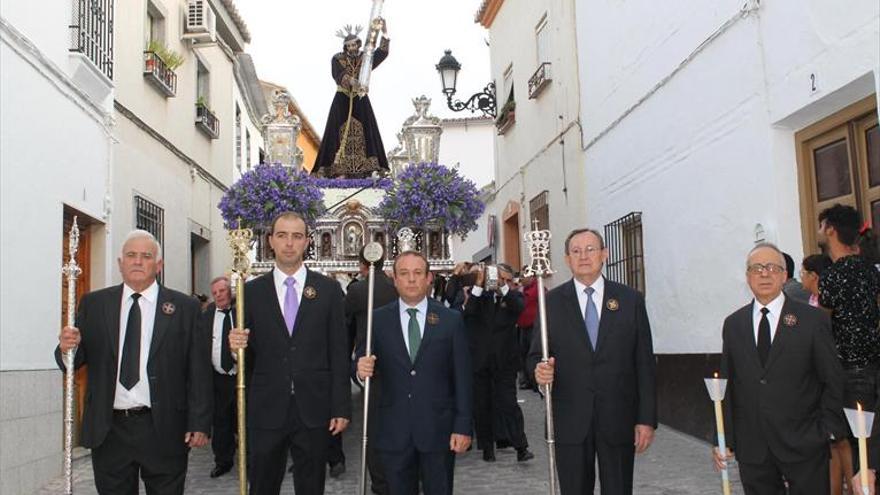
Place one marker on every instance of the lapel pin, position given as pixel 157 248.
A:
pixel 789 320
pixel 433 319
pixel 612 305
pixel 310 292
pixel 168 308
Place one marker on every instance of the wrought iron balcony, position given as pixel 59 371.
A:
pixel 539 80
pixel 207 122
pixel 157 73
pixel 91 33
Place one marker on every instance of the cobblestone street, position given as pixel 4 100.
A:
pixel 675 464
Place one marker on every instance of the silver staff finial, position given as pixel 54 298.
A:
pixel 538 242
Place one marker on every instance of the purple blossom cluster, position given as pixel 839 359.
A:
pixel 267 190
pixel 426 193
pixel 326 183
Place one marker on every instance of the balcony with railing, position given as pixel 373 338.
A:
pixel 91 33
pixel 206 121
pixel 539 80
pixel 159 75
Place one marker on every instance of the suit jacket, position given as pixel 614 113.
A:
pixel 491 329
pixel 791 406
pixel 356 304
pixel 612 388
pixel 422 403
pixel 178 367
pixel 313 362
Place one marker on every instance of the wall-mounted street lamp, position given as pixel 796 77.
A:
pixel 484 101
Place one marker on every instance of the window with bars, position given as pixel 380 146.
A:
pixel 247 149
pixel 626 260
pixel 237 138
pixel 91 32
pixel 539 209
pixel 150 217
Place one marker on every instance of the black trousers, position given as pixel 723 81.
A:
pixel 269 449
pixel 132 450
pixel 378 480
pixel 495 402
pixel 526 335
pixel 225 420
pixel 406 468
pixel 576 466
pixel 810 477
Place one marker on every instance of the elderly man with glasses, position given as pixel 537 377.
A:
pixel 785 386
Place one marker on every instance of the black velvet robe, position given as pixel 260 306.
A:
pixel 364 152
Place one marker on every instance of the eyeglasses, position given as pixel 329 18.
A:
pixel 577 252
pixel 766 267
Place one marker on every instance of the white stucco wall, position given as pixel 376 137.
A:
pixel 541 152
pixel 467 144
pixel 702 141
pixel 55 149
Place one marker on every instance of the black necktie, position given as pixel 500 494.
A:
pixel 764 337
pixel 225 353
pixel 130 368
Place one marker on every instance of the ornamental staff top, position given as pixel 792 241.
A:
pixel 538 242
pixel 240 242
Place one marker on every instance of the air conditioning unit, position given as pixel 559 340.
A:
pixel 200 23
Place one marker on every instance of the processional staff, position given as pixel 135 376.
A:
pixel 71 270
pixel 240 241
pixel 372 253
pixel 538 242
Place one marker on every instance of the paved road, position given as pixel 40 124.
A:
pixel 675 464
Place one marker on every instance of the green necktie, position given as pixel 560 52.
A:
pixel 415 336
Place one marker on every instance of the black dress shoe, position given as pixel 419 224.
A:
pixel 336 470
pixel 524 454
pixel 489 455
pixel 220 470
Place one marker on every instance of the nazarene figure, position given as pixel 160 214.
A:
pixel 352 146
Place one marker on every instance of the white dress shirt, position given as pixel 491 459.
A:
pixel 217 342
pixel 139 395
pixel 775 307
pixel 421 316
pixel 281 287
pixel 598 296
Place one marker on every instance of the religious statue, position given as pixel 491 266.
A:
pixel 352 146
pixel 354 238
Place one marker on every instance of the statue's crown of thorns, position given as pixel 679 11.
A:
pixel 347 32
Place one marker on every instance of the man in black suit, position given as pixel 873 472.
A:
pixel 356 318
pixel 422 364
pixel 784 396
pixel 215 324
pixel 149 375
pixel 490 318
pixel 604 391
pixel 297 363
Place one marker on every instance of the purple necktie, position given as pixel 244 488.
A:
pixel 291 304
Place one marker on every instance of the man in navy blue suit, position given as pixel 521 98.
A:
pixel 422 363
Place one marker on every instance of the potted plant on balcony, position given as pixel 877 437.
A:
pixel 507 116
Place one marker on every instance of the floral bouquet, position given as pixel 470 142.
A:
pixel 430 193
pixel 266 190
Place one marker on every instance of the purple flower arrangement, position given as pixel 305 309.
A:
pixel 432 193
pixel 267 190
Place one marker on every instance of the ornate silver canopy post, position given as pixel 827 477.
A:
pixel 372 253
pixel 71 270
pixel 240 242
pixel 538 242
